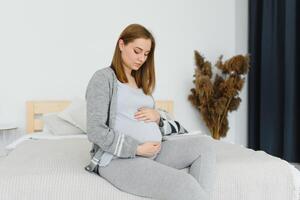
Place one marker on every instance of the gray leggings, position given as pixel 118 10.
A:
pixel 161 178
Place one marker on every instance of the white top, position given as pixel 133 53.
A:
pixel 129 101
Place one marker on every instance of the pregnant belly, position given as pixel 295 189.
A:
pixel 141 131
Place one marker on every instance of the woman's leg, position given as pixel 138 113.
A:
pixel 194 152
pixel 148 178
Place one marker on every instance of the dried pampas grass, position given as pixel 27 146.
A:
pixel 215 98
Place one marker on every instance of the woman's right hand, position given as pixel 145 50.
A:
pixel 148 149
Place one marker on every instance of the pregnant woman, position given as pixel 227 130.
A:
pixel 126 130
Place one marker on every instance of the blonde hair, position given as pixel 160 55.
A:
pixel 145 75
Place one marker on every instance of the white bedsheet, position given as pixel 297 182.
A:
pixel 52 167
pixel 41 135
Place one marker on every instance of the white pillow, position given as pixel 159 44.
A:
pixel 75 113
pixel 59 127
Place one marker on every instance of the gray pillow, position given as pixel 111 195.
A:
pixel 58 126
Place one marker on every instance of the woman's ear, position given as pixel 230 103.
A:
pixel 121 44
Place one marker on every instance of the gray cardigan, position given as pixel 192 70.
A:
pixel 101 98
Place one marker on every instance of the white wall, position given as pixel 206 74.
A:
pixel 241 47
pixel 50 49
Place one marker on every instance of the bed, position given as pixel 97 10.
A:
pixel 44 166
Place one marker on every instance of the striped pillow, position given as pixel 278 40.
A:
pixel 169 125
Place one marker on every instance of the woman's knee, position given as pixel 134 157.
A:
pixel 205 144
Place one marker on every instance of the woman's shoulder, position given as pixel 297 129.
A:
pixel 106 73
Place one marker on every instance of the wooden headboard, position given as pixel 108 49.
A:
pixel 36 109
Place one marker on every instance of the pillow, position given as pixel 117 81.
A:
pixel 75 114
pixel 193 134
pixel 165 114
pixel 57 126
pixel 169 125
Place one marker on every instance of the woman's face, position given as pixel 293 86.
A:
pixel 135 53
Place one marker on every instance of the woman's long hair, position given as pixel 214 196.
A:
pixel 145 75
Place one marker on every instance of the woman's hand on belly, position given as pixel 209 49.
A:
pixel 147 115
pixel 148 149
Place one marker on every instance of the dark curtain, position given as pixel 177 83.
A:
pixel 274 96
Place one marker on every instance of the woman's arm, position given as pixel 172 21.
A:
pixel 98 99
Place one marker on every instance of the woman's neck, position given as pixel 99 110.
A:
pixel 131 80
pixel 128 73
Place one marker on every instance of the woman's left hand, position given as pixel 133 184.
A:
pixel 147 115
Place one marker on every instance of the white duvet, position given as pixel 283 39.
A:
pixel 49 167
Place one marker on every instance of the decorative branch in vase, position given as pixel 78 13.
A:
pixel 217 94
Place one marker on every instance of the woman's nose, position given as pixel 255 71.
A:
pixel 142 58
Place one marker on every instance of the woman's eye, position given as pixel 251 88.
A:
pixel 136 52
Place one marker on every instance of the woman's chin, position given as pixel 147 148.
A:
pixel 135 67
